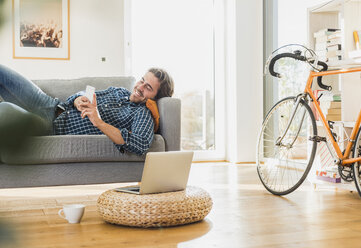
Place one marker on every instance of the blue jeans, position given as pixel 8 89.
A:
pixel 20 91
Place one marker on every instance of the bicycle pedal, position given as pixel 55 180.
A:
pixel 318 139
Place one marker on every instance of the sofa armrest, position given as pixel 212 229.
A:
pixel 170 122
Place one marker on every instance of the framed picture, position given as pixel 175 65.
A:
pixel 41 29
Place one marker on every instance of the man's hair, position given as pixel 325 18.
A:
pixel 166 83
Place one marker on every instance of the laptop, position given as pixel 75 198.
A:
pixel 163 172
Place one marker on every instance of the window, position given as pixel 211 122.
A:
pixel 180 36
pixel 286 24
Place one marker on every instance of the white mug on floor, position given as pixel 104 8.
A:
pixel 72 213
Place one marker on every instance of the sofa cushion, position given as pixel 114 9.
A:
pixel 63 88
pixel 74 148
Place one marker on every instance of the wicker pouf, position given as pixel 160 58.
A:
pixel 155 210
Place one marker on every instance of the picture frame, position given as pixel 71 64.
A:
pixel 41 29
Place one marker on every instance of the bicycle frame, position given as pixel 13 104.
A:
pixel 279 140
pixel 344 158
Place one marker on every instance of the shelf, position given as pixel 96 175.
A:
pixel 349 123
pixel 339 123
pixel 350 186
pixel 345 63
pixel 344 15
pixel 332 6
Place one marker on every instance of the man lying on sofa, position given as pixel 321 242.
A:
pixel 121 115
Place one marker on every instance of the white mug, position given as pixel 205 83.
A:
pixel 72 213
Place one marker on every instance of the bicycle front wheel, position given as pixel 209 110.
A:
pixel 356 167
pixel 284 152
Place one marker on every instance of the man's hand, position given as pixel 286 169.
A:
pixel 80 100
pixel 90 110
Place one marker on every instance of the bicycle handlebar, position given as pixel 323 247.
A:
pixel 301 58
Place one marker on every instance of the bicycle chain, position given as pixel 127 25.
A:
pixel 345 172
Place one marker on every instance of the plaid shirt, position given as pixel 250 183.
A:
pixel 134 120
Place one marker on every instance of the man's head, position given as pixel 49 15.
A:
pixel 155 84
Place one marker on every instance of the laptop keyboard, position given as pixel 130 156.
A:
pixel 133 189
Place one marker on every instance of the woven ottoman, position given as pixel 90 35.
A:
pixel 155 210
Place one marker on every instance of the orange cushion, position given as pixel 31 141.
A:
pixel 152 106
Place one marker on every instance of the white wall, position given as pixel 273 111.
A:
pixel 244 80
pixel 96 30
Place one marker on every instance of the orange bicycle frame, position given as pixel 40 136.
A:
pixel 344 158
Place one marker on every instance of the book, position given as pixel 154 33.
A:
pixel 333 117
pixel 329 179
pixel 327 172
pixel 334 105
pixel 328 44
pixel 336 97
pixel 335 58
pixel 336 41
pixel 334 111
pixel 325 31
pixel 330 107
pixel 333 53
pixel 336 47
pixel 322 39
pixel 356 40
pixel 335 35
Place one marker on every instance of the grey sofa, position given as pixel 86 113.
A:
pixel 84 159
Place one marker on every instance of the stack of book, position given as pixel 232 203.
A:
pixel 334 111
pixel 330 104
pixel 328 44
pixel 329 175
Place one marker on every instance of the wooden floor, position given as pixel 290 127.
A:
pixel 244 214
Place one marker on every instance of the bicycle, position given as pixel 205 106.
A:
pixel 288 139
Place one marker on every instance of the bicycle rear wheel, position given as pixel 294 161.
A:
pixel 283 166
pixel 356 167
